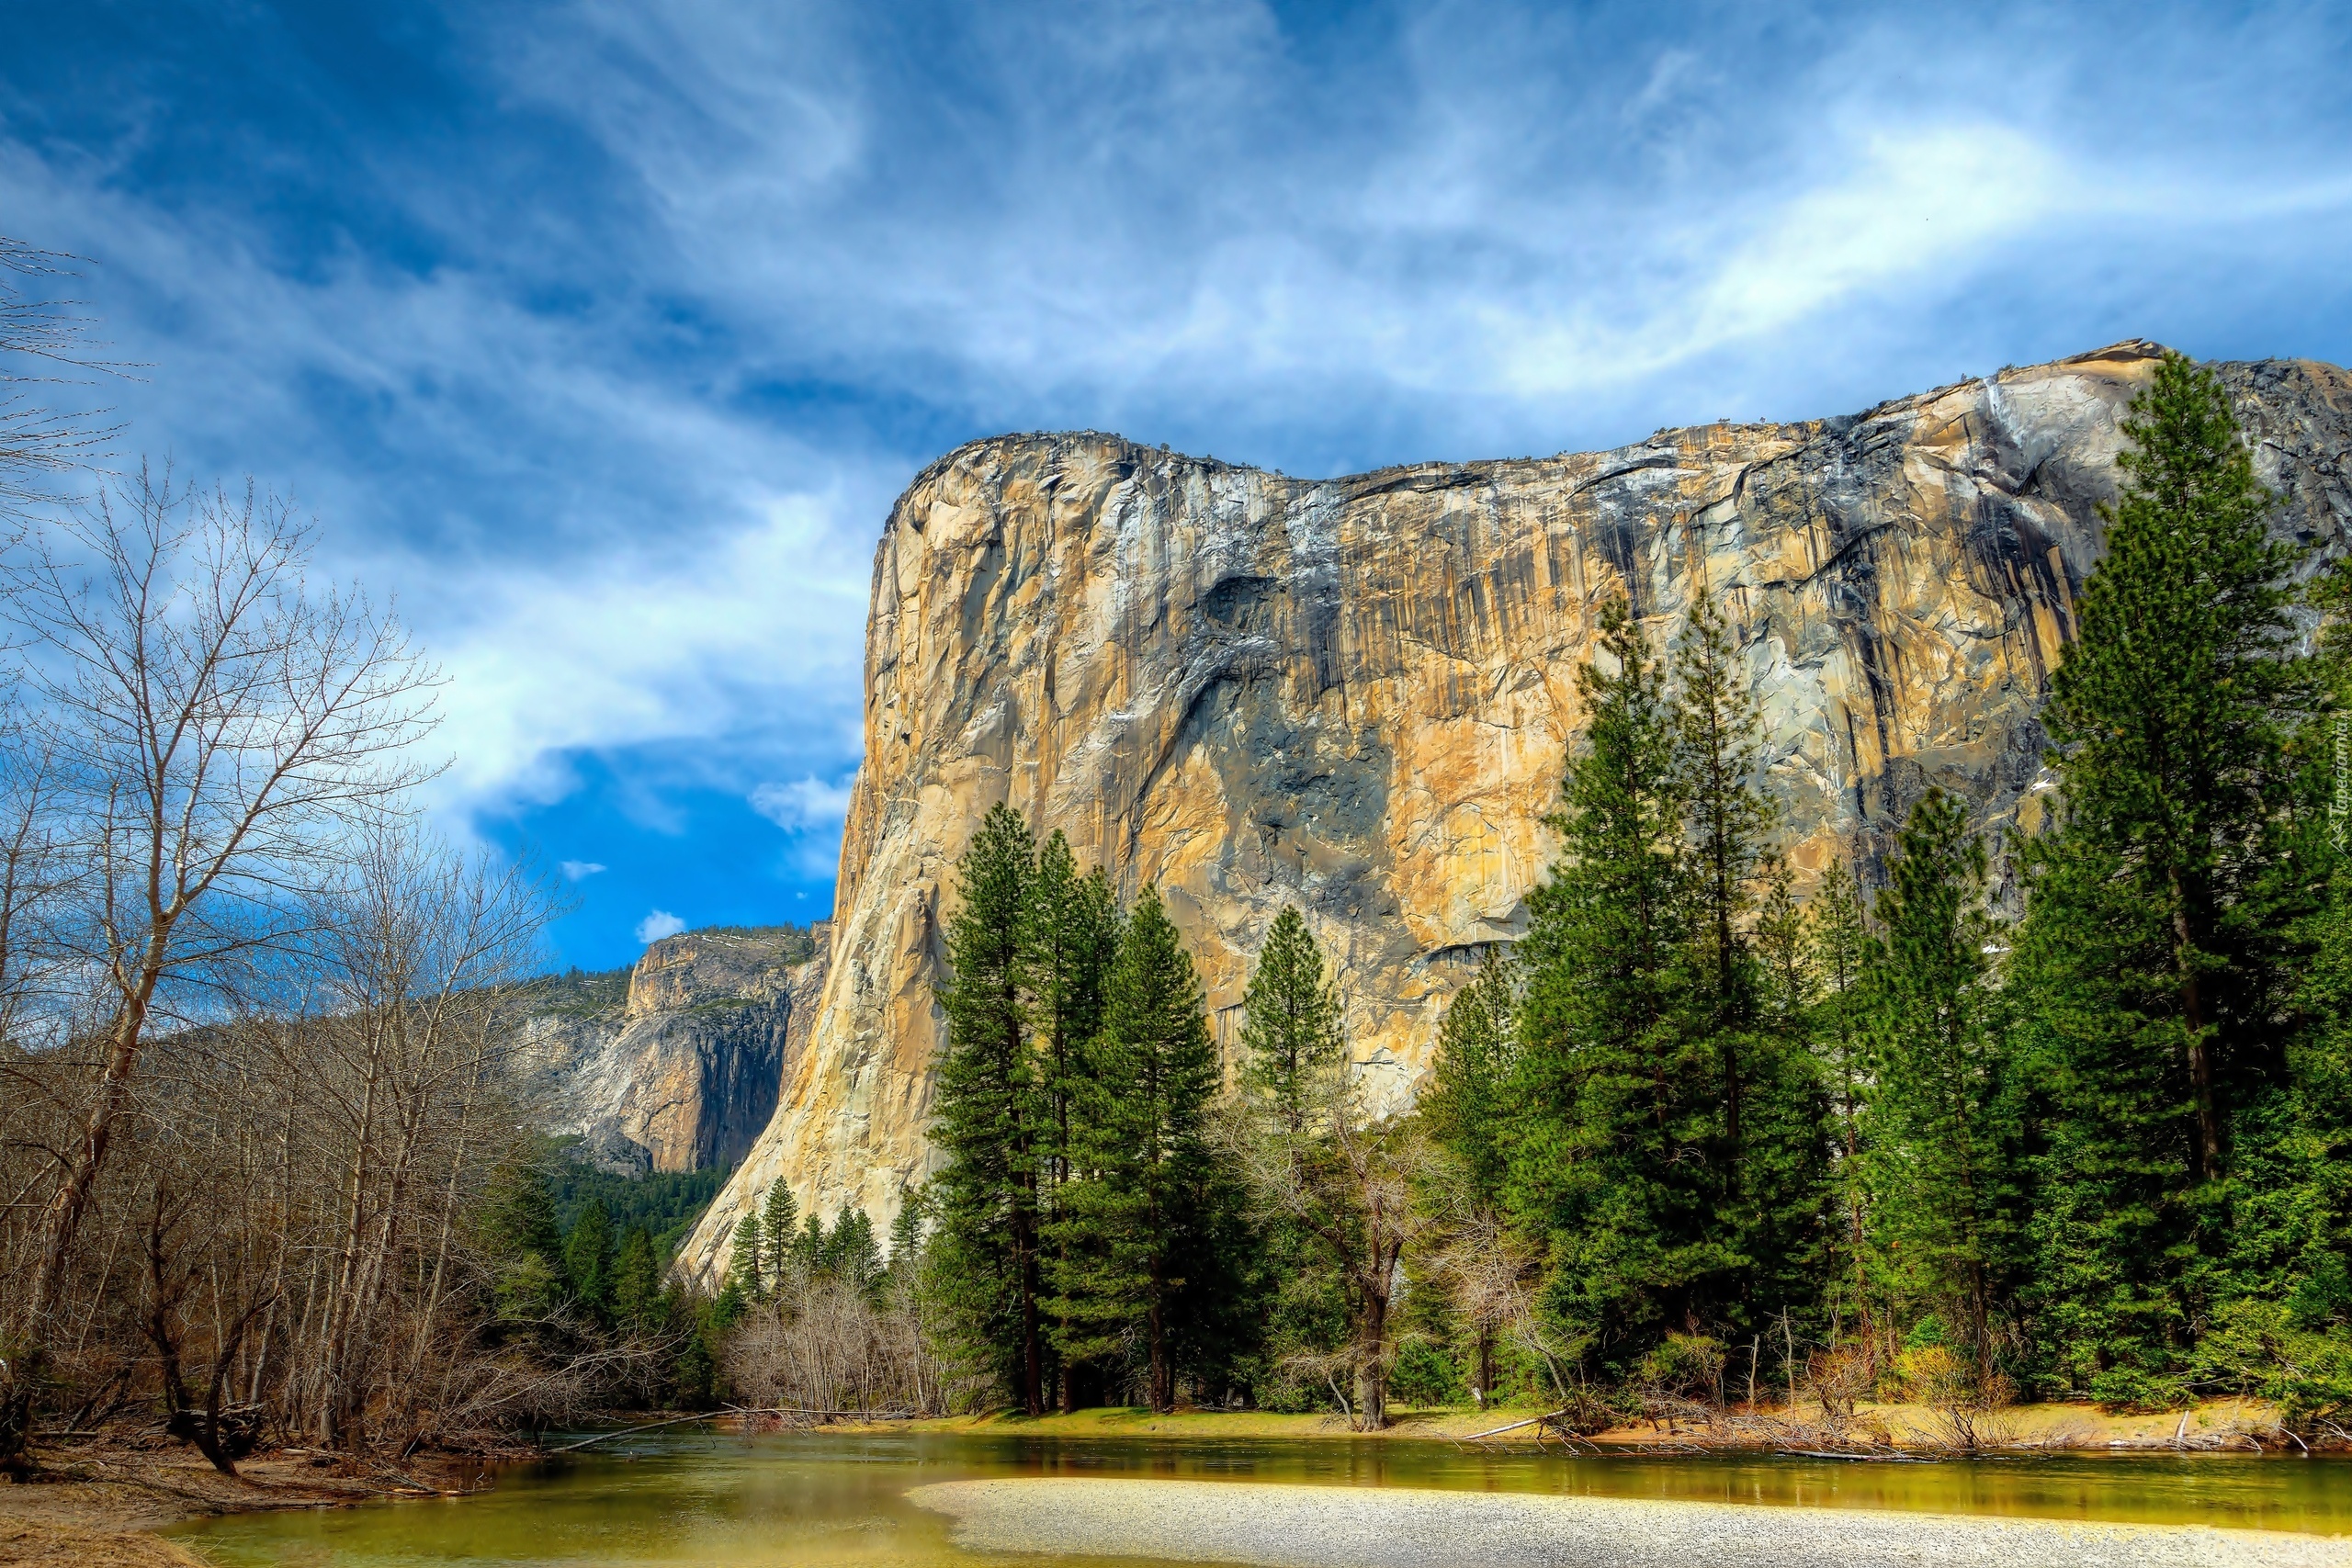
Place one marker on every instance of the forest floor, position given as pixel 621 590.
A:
pixel 2248 1426
pixel 96 1504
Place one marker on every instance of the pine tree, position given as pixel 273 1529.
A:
pixel 1142 1142
pixel 637 1282
pixel 1838 939
pixel 747 1260
pixel 1942 1112
pixel 1786 1196
pixel 851 1255
pixel 1291 1013
pixel 1466 1106
pixel 1717 751
pixel 2169 715
pixel 1071 931
pixel 2153 959
pixel 906 1234
pixel 808 1254
pixel 588 1258
pixel 778 1214
pixel 987 1116
pixel 1616 1150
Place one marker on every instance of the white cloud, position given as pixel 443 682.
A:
pixel 657 924
pixel 804 804
pixel 579 870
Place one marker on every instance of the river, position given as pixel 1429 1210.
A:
pixel 826 1500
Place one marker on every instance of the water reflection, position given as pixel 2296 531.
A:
pixel 839 1500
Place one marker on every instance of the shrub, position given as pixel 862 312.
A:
pixel 1426 1375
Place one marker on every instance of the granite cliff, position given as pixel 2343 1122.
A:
pixel 681 1071
pixel 1356 695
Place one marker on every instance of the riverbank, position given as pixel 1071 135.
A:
pixel 2244 1424
pixel 97 1502
pixel 1315 1527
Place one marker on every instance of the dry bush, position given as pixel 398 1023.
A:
pixel 826 1347
pixel 1965 1405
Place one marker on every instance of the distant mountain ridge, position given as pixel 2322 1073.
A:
pixel 675 1063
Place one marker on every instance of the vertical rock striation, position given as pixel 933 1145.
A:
pixel 1356 695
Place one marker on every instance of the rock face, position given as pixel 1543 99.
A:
pixel 1357 694
pixel 684 1073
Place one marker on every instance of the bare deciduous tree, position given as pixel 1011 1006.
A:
pixel 1348 1181
pixel 42 340
pixel 213 729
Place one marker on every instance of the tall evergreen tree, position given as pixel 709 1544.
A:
pixel 1468 1105
pixel 2168 720
pixel 1291 1021
pixel 1785 1198
pixel 1942 1109
pixel 987 1115
pixel 588 1258
pixel 851 1254
pixel 637 1282
pixel 1615 1158
pixel 1717 751
pixel 747 1260
pixel 1071 931
pixel 2152 955
pixel 1142 1142
pixel 906 1234
pixel 779 1215
pixel 1838 1030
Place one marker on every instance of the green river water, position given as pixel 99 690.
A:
pixel 839 1501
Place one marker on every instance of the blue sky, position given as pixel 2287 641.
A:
pixel 603 335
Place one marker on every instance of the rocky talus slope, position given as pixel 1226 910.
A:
pixel 684 1074
pixel 1356 695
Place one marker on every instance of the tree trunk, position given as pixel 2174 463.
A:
pixel 2200 1047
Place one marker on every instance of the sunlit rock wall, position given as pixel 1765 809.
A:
pixel 1356 695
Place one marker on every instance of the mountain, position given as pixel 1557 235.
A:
pixel 1356 695
pixel 678 1067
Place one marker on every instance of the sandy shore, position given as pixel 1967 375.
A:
pixel 1334 1526
pixel 97 1504
pixel 2240 1425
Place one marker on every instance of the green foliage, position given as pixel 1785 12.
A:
pixel 666 1202
pixel 849 1251
pixel 747 1260
pixel 588 1259
pixel 779 1216
pixel 2159 942
pixel 519 1216
pixel 796 945
pixel 637 1282
pixel 1134 1218
pixel 575 993
pixel 1291 1028
pixel 1425 1376
pixel 1467 1100
pixel 1615 1161
pixel 1941 1120
pixel 989 1115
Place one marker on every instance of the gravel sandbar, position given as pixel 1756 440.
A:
pixel 1341 1527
